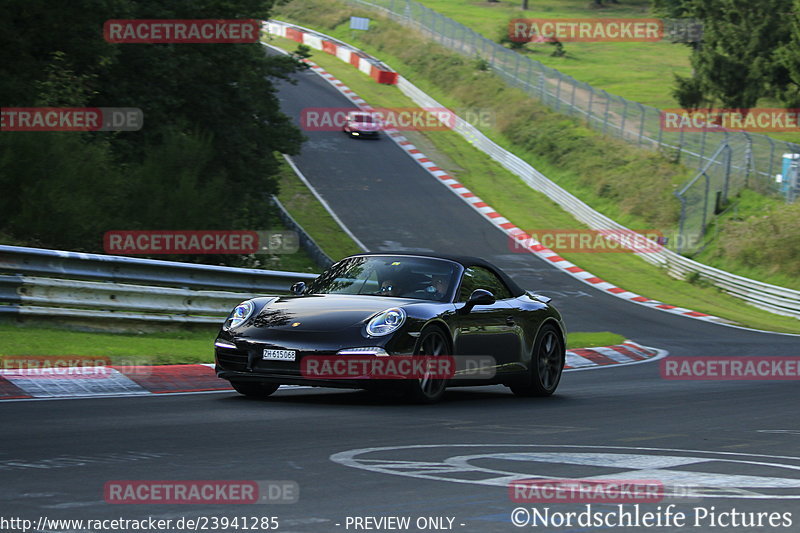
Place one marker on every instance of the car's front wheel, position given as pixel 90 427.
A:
pixel 434 343
pixel 254 389
pixel 547 364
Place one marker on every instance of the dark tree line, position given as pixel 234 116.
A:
pixel 205 158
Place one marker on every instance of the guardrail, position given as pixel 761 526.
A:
pixel 772 298
pixel 311 247
pixel 56 283
pixel 756 158
pixel 779 300
pixel 364 62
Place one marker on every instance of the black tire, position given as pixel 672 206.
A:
pixel 254 389
pixel 547 365
pixel 432 341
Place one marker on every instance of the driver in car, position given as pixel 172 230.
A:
pixel 390 287
pixel 439 286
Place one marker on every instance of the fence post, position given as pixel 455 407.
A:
pixel 572 96
pixel 542 90
pixel 624 115
pixel 705 204
pixel 605 113
pixel 528 86
pixel 641 123
pixel 748 159
pixel 727 172
pixel 771 160
pixel 683 219
pixel 558 91
pixel 702 149
pixel 589 113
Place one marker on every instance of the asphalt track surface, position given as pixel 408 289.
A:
pixel 57 455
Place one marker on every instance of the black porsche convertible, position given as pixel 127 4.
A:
pixel 390 306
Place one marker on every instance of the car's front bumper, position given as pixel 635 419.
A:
pixel 242 358
pixel 359 133
pixel 289 379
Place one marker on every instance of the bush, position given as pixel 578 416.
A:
pixel 770 241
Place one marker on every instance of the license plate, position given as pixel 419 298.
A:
pixel 279 355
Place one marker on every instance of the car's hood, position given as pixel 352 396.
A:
pixel 322 312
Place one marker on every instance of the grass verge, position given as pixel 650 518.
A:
pixel 630 185
pixel 643 72
pixel 183 347
pixel 315 219
pixel 529 209
pixel 180 347
pixel 583 339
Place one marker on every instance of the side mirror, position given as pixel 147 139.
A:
pixel 540 297
pixel 298 288
pixel 478 297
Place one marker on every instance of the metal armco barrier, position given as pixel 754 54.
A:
pixel 755 158
pixel 779 300
pixel 322 259
pixel 364 62
pixel 56 283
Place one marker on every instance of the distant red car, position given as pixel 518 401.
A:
pixel 362 124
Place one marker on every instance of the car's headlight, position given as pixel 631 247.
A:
pixel 239 315
pixel 386 322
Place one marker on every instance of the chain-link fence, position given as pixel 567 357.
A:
pixel 702 197
pixel 754 159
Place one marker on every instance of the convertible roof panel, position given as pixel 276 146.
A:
pixel 464 260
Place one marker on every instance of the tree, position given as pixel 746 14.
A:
pixel 206 156
pixel 787 77
pixel 735 65
pixel 671 8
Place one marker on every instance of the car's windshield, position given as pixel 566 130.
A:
pixel 363 118
pixel 399 276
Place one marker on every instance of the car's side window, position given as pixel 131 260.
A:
pixel 479 278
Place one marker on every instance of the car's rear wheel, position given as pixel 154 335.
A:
pixel 547 364
pixel 432 342
pixel 254 389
